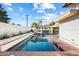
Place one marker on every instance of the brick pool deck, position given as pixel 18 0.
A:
pixel 69 50
pixel 20 53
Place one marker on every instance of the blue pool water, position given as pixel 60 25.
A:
pixel 38 43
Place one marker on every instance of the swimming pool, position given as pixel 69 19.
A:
pixel 38 42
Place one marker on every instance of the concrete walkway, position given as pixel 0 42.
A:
pixel 10 42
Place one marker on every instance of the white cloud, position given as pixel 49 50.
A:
pixel 21 9
pixel 40 11
pixel 61 12
pixel 8 4
pixel 41 7
pixel 48 17
pixel 9 8
pixel 23 16
pixel 48 6
pixel 35 5
pixel 37 17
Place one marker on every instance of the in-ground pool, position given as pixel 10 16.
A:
pixel 38 42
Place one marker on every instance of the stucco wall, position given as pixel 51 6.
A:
pixel 77 6
pixel 69 31
pixel 10 30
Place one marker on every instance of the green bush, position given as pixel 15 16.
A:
pixel 32 30
pixel 5 36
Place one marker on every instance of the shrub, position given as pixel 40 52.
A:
pixel 20 33
pixel 13 35
pixel 4 36
pixel 32 30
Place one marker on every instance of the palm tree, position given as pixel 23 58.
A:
pixel 3 15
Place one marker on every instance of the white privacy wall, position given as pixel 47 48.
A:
pixel 69 31
pixel 11 29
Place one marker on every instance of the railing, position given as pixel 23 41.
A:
pixel 44 31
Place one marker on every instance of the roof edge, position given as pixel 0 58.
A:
pixel 66 4
pixel 66 15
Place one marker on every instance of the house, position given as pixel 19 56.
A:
pixel 69 24
pixel 72 5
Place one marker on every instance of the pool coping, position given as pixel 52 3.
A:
pixel 7 44
pixel 21 53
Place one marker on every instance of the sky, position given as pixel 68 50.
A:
pixel 47 12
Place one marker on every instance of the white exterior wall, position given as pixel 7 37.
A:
pixel 11 29
pixel 69 31
pixel 77 6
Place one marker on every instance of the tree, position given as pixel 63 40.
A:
pixel 3 15
pixel 13 23
pixel 18 24
pixel 34 24
pixel 52 23
pixel 45 26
